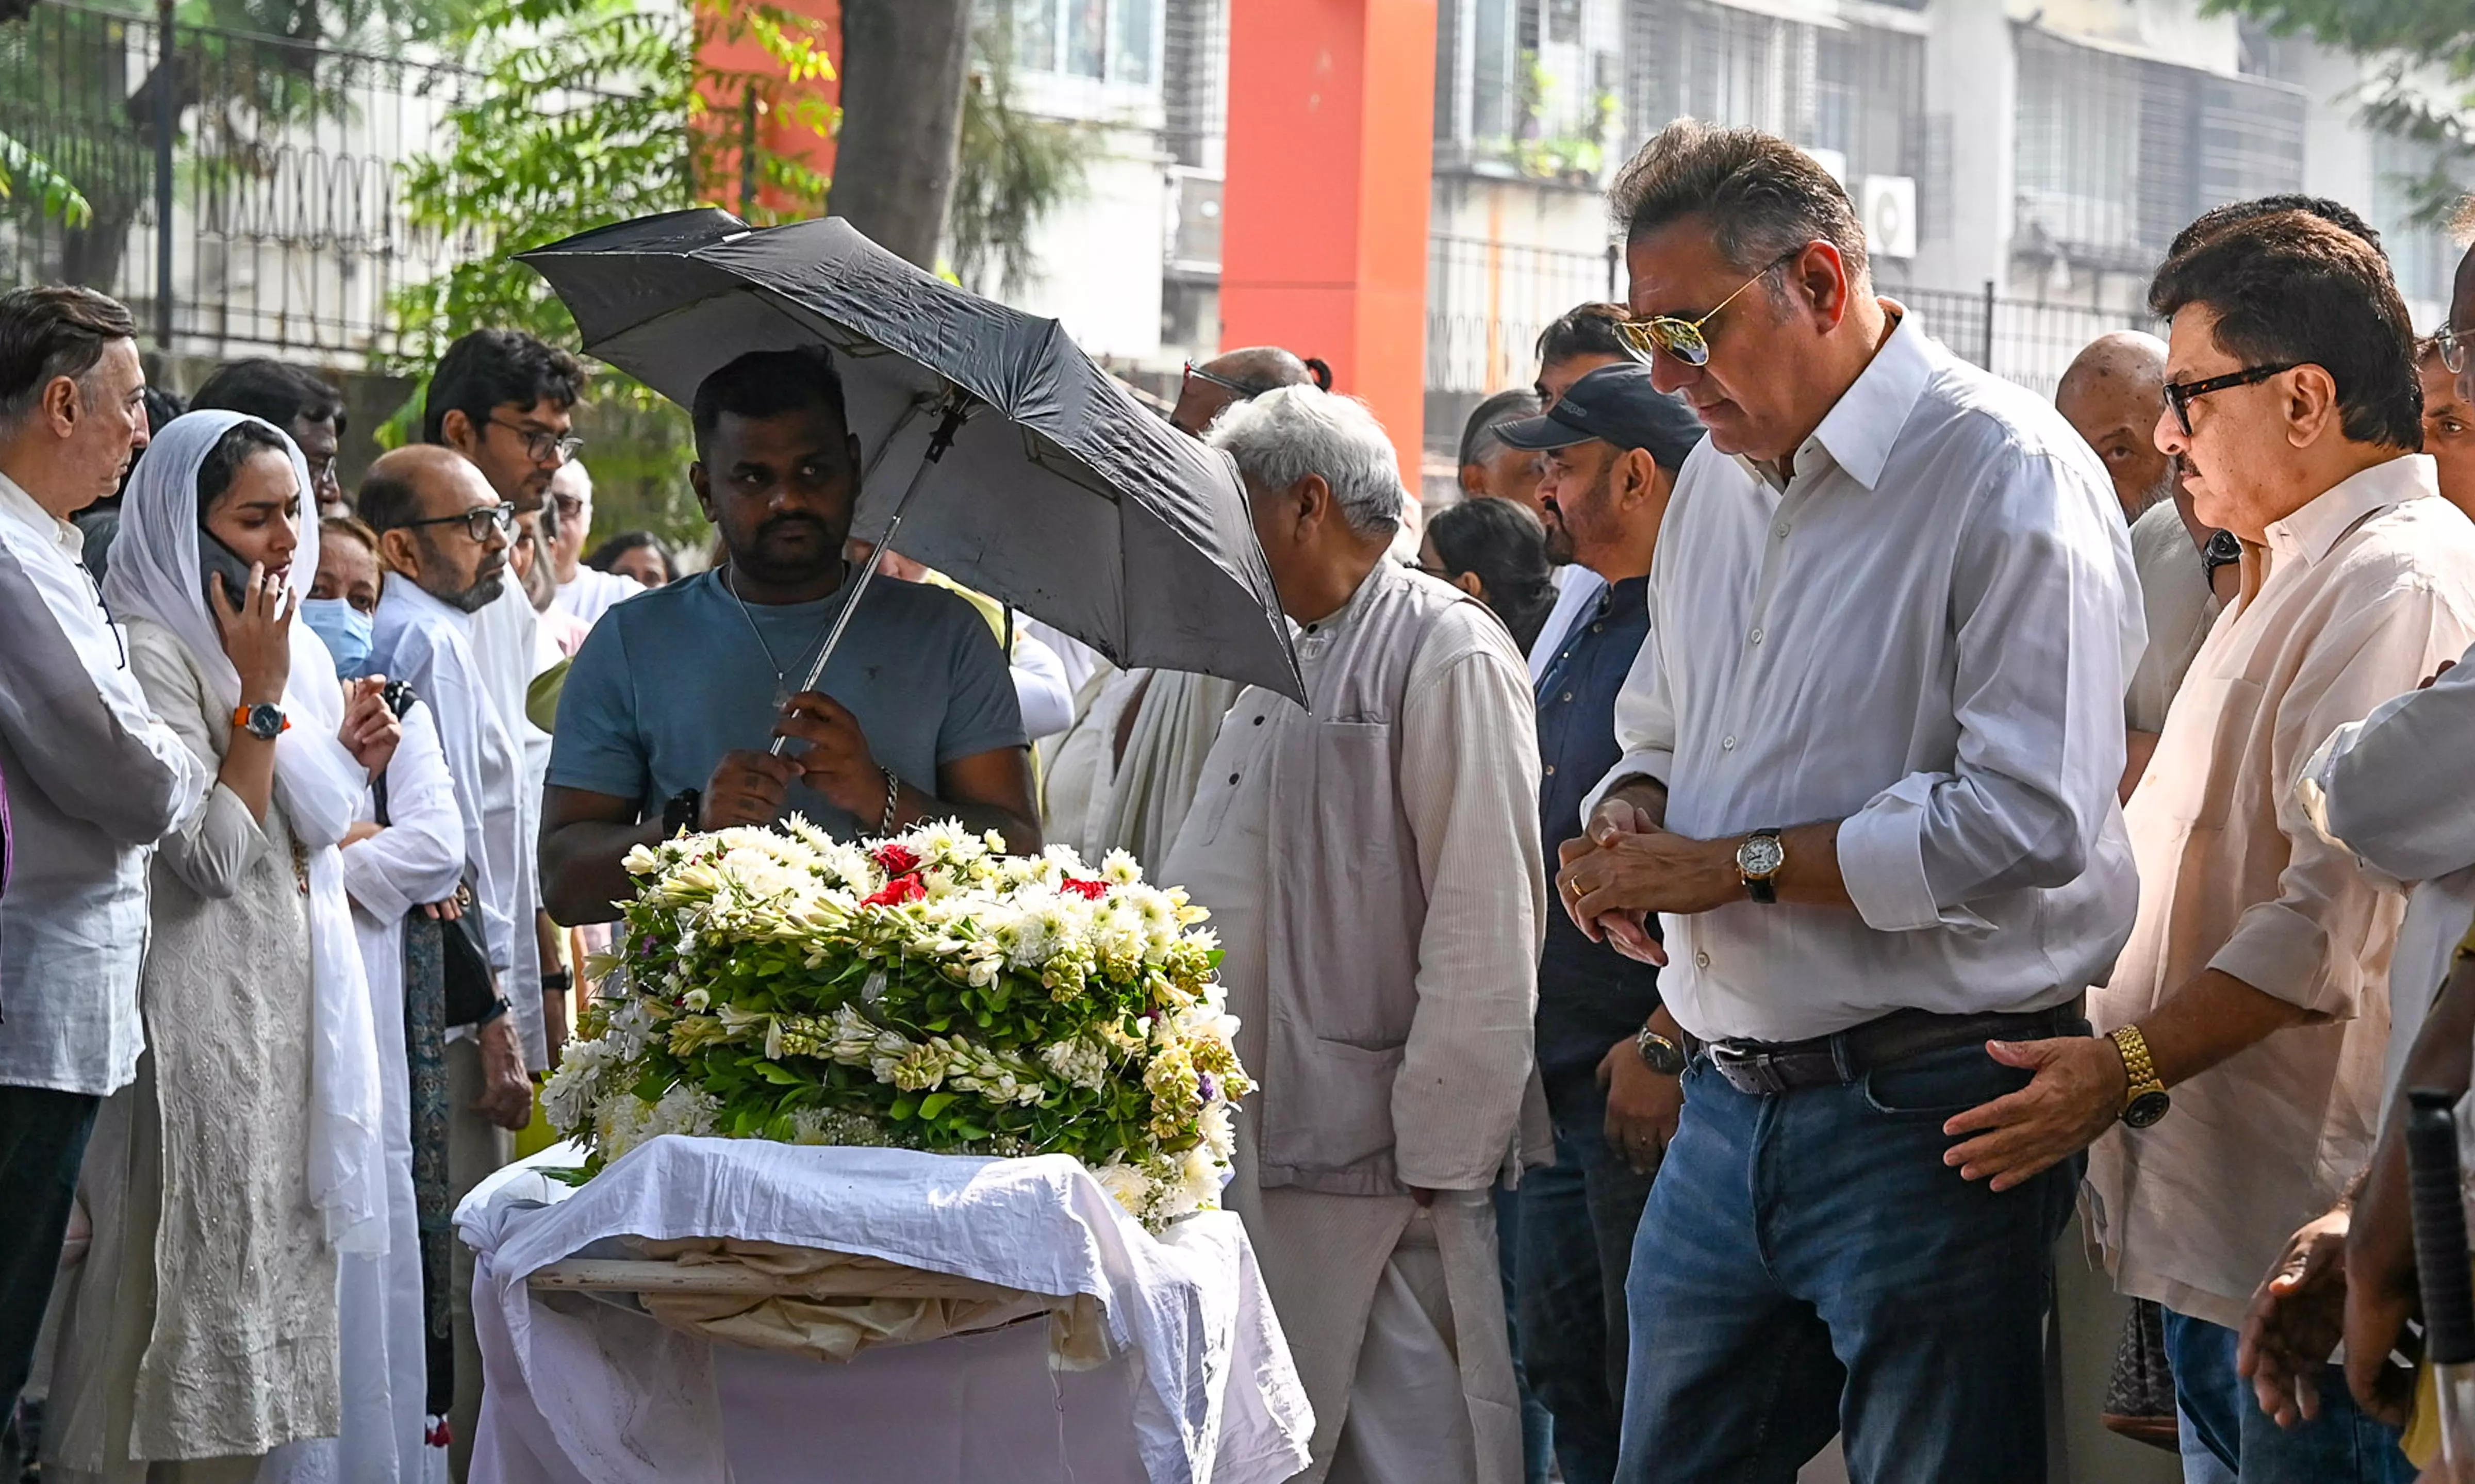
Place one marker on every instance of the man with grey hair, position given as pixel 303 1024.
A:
pixel 89 779
pixel 583 593
pixel 1367 861
pixel 1870 751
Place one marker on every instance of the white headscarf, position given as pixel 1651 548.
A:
pixel 155 574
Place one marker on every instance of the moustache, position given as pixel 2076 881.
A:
pixel 782 522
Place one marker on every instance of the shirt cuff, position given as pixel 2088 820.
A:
pixel 2282 953
pixel 2311 787
pixel 1641 763
pixel 1882 862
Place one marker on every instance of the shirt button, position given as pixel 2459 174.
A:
pixel 1780 530
pixel 1598 628
pixel 1566 696
pixel 1757 636
pixel 1551 769
pixel 1259 722
pixel 1233 777
pixel 1726 744
pixel 1701 961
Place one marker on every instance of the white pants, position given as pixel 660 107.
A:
pixel 1409 1418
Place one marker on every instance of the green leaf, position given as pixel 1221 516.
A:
pixel 778 1074
pixel 905 1106
pixel 936 1103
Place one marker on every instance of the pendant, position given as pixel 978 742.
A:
pixel 781 697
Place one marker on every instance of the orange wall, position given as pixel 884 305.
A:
pixel 724 99
pixel 1324 234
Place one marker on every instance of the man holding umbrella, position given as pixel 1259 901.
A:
pixel 670 705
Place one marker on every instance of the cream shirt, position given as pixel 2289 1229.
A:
pixel 2370 587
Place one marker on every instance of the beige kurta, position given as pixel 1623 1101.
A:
pixel 1363 1284
pixel 2370 587
pixel 202 1324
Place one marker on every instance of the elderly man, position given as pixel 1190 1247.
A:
pixel 583 593
pixel 2253 988
pixel 1871 752
pixel 92 781
pixel 1613 448
pixel 2113 394
pixel 1372 863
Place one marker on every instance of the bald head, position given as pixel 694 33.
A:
pixel 410 497
pixel 1250 372
pixel 2113 394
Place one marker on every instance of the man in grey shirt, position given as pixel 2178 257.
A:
pixel 93 780
pixel 668 710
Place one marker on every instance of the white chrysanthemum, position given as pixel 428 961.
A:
pixel 1126 1184
pixel 1120 868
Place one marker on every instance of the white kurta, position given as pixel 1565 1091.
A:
pixel 418 857
pixel 1394 1313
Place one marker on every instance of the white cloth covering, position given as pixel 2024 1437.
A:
pixel 580 1390
pixel 417 858
pixel 155 574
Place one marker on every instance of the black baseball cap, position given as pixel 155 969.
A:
pixel 1619 406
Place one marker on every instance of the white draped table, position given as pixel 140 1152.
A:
pixel 1198 1387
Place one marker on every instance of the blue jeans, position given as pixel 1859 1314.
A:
pixel 1807 1264
pixel 2342 1446
pixel 1578 1220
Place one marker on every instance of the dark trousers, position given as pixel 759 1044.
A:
pixel 2342 1446
pixel 42 1139
pixel 1578 1221
pixel 1807 1264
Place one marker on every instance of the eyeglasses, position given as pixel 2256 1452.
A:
pixel 1245 391
pixel 2452 349
pixel 1683 339
pixel 2180 395
pixel 542 446
pixel 478 523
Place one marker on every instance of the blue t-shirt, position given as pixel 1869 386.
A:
pixel 671 680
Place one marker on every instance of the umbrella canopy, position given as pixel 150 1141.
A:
pixel 1060 496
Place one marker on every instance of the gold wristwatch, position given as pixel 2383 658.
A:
pixel 2144 1101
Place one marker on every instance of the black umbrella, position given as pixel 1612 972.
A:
pixel 1007 458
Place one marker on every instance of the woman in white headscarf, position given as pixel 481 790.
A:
pixel 203 1331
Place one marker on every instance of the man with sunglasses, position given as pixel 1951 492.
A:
pixel 2253 988
pixel 1871 752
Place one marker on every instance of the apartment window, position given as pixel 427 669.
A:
pixel 1104 41
pixel 2419 255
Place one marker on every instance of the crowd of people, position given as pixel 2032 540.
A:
pixel 1805 820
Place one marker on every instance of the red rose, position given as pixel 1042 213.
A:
pixel 895 860
pixel 1090 889
pixel 897 891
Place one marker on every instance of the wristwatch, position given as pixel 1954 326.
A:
pixel 1759 861
pixel 2223 550
pixel 1659 1053
pixel 262 721
pixel 681 811
pixel 2144 1101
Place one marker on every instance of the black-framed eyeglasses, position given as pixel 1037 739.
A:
pixel 1244 390
pixel 542 446
pixel 2451 347
pixel 478 523
pixel 2180 395
pixel 1685 339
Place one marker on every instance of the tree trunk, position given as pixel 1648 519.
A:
pixel 903 67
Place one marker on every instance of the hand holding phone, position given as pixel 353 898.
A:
pixel 256 634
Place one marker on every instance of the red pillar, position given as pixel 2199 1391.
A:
pixel 1331 151
pixel 728 61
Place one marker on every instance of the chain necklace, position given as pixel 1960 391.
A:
pixel 781 679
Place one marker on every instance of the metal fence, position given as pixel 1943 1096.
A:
pixel 2024 340
pixel 286 229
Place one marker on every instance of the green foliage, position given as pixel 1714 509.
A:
pixel 59 195
pixel 588 112
pixel 1576 155
pixel 1014 171
pixel 2404 36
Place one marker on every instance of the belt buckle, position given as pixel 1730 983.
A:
pixel 1750 1072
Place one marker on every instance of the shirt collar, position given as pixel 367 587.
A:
pixel 422 608
pixel 20 507
pixel 1340 619
pixel 1858 432
pixel 2309 533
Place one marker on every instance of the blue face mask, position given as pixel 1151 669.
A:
pixel 346 630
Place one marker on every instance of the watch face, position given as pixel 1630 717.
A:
pixel 264 721
pixel 1760 856
pixel 2146 1109
pixel 1659 1053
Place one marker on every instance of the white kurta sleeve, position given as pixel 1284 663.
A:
pixel 214 847
pixel 1469 788
pixel 419 856
pixel 2398 788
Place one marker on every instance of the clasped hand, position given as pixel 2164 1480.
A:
pixel 1626 868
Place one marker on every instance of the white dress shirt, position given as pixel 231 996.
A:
pixel 1925 633
pixel 429 647
pixel 593 592
pixel 2397 790
pixel 94 781
pixel 2179 606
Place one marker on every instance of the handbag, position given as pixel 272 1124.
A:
pixel 2140 1396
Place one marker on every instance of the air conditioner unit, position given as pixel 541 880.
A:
pixel 1888 205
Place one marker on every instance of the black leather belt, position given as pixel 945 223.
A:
pixel 1768 1068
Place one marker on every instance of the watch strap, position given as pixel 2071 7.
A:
pixel 244 718
pixel 2138 1068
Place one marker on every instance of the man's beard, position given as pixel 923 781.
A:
pixel 2160 490
pixel 483 592
pixel 1559 540
pixel 756 561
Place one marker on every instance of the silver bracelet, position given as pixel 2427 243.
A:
pixel 892 793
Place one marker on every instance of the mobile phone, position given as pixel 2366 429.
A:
pixel 220 561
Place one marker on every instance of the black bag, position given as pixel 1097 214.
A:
pixel 2140 1396
pixel 470 995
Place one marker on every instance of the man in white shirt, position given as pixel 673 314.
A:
pixel 583 593
pixel 92 779
pixel 444 534
pixel 1870 750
